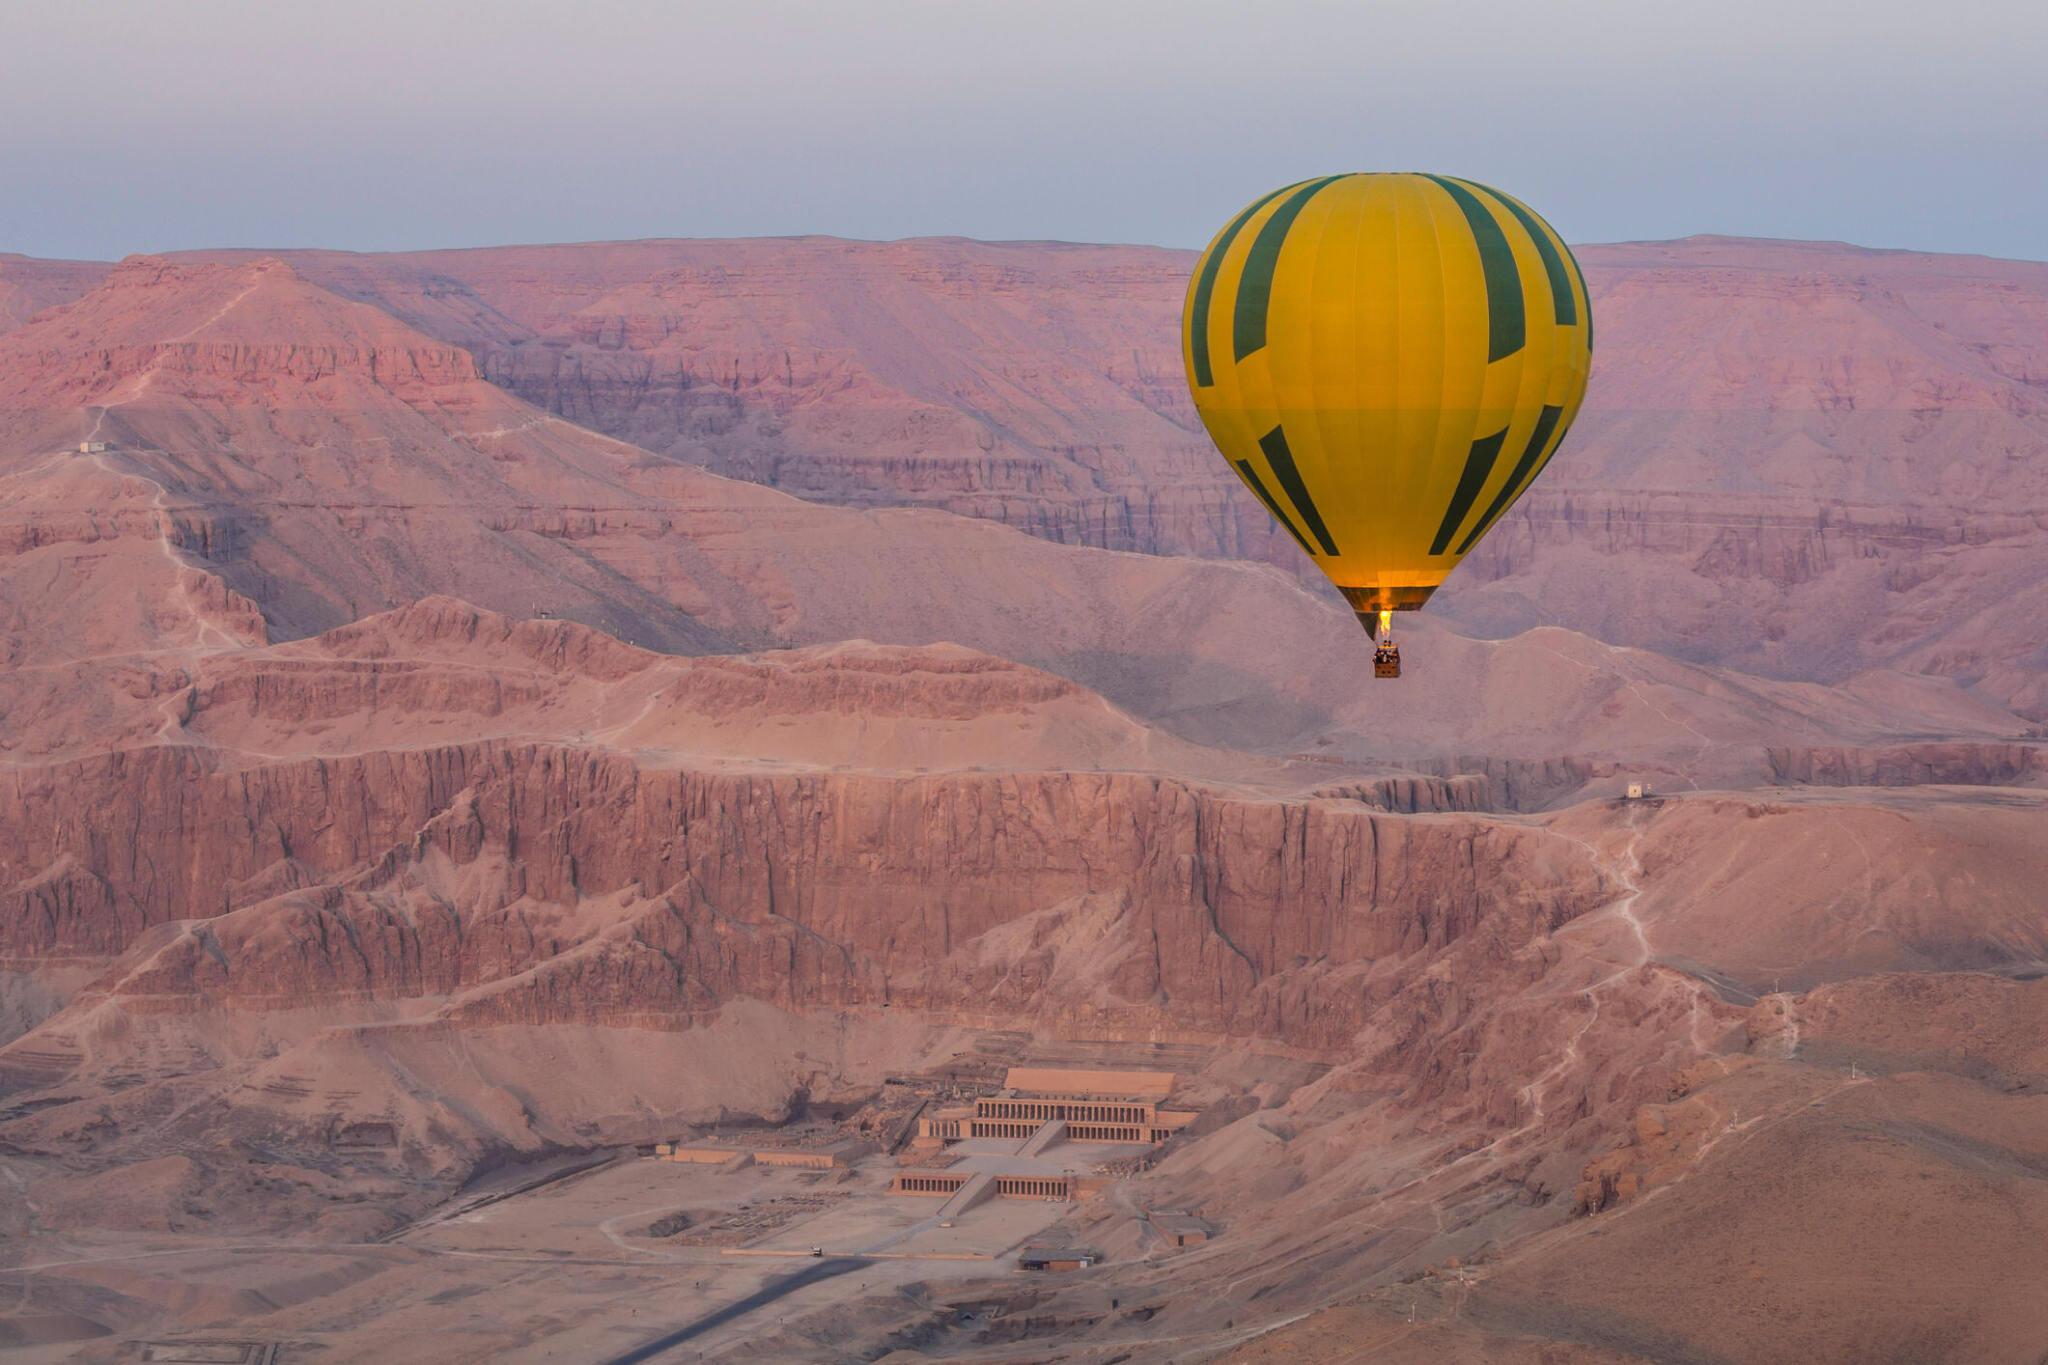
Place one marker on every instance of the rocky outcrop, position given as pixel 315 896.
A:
pixel 1910 765
pixel 404 369
pixel 204 327
pixel 1663 1142
pixel 446 628
pixel 1517 783
pixel 1414 795
pixel 1474 783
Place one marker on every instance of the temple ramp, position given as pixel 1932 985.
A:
pixel 1054 1130
pixel 982 1186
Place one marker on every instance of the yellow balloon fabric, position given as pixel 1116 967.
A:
pixel 1387 361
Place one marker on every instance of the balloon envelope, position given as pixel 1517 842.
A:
pixel 1387 361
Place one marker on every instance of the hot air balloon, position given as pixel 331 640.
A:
pixel 1387 361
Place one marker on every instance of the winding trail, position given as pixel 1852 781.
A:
pixel 222 311
pixel 208 636
pixel 1626 871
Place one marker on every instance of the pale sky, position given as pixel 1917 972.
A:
pixel 416 123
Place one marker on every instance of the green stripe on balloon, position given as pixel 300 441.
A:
pixel 1565 311
pixel 1524 470
pixel 1205 289
pixel 1478 464
pixel 1506 328
pixel 1278 455
pixel 1258 485
pixel 1574 262
pixel 1255 285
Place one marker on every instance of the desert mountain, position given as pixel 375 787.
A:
pixel 1813 459
pixel 1805 459
pixel 1034 383
pixel 275 449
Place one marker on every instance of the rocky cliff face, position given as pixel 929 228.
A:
pixel 1910 765
pixel 373 815
pixel 545 885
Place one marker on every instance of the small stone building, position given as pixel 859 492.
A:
pixel 1056 1258
pixel 1179 1228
